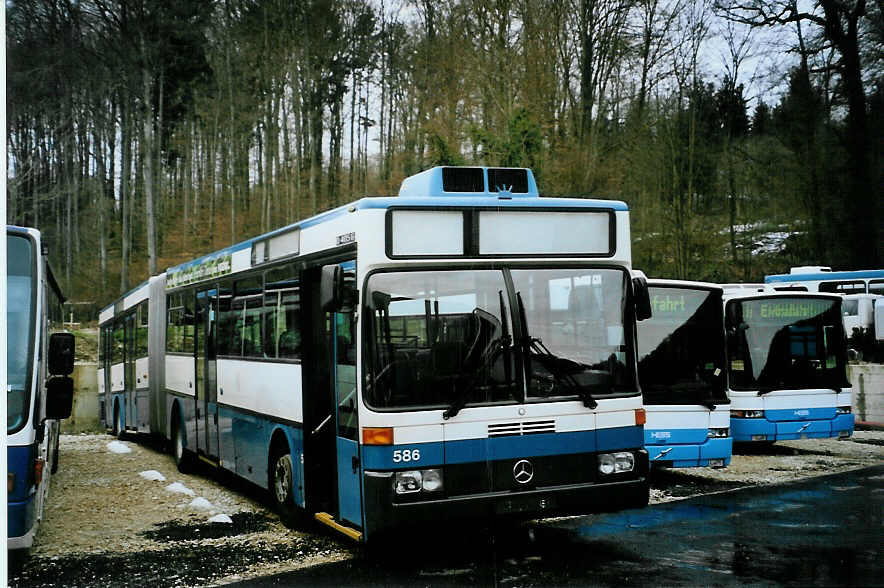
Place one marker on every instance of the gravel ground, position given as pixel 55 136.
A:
pixel 105 524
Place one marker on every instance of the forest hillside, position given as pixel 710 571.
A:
pixel 746 137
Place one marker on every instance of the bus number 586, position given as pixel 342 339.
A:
pixel 405 455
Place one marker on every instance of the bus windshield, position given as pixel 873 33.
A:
pixel 19 329
pixel 440 339
pixel 785 343
pixel 681 348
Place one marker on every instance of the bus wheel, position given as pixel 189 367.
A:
pixel 182 456
pixel 281 480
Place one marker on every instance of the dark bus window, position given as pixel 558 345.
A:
pixel 855 287
pixel 224 342
pixel 248 300
pixel 188 320
pixel 876 287
pixel 174 328
pixel 282 304
pixel 141 330
pixel 117 342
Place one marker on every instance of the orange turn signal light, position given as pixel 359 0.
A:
pixel 377 436
pixel 640 416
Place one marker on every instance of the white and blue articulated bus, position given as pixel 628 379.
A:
pixel 823 279
pixel 39 359
pixel 466 349
pixel 123 366
pixel 787 366
pixel 681 367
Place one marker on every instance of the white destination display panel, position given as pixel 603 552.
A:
pixel 525 233
pixel 431 232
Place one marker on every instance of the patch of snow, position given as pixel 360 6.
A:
pixel 221 518
pixel 118 447
pixel 180 488
pixel 201 503
pixel 152 475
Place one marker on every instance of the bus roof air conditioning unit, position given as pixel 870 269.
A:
pixel 494 182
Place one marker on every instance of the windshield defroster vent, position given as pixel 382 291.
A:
pixel 525 428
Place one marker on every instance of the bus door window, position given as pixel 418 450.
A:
pixel 345 360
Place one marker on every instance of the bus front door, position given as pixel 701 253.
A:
pixel 343 348
pixel 206 373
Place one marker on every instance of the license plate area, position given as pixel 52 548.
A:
pixel 520 504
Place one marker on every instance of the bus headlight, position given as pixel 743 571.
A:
pixel 411 481
pixel 747 414
pixel 624 462
pixel 718 433
pixel 843 410
pixel 606 463
pixel 432 480
pixel 610 463
pixel 408 482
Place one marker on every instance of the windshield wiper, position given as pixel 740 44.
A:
pixel 494 347
pixel 557 366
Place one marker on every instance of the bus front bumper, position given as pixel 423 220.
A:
pixel 761 429
pixel 21 523
pixel 716 452
pixel 571 499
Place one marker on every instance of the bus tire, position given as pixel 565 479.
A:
pixel 183 458
pixel 281 479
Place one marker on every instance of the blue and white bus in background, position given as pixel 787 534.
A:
pixel 787 366
pixel 38 391
pixel 823 279
pixel 466 349
pixel 681 369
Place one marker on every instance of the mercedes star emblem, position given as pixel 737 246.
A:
pixel 523 471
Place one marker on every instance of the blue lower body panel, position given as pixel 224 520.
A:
pixel 21 518
pixel 691 455
pixel 745 429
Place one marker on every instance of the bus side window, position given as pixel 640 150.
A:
pixel 224 344
pixel 117 343
pixel 876 287
pixel 141 330
pixel 188 321
pixel 282 302
pixel 102 341
pixel 173 323
pixel 855 287
pixel 248 305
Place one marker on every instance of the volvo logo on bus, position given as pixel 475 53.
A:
pixel 523 471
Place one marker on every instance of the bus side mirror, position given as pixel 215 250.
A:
pixel 642 298
pixel 331 288
pixel 61 354
pixel 59 397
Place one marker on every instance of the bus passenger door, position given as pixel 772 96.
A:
pixel 206 372
pixel 343 346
